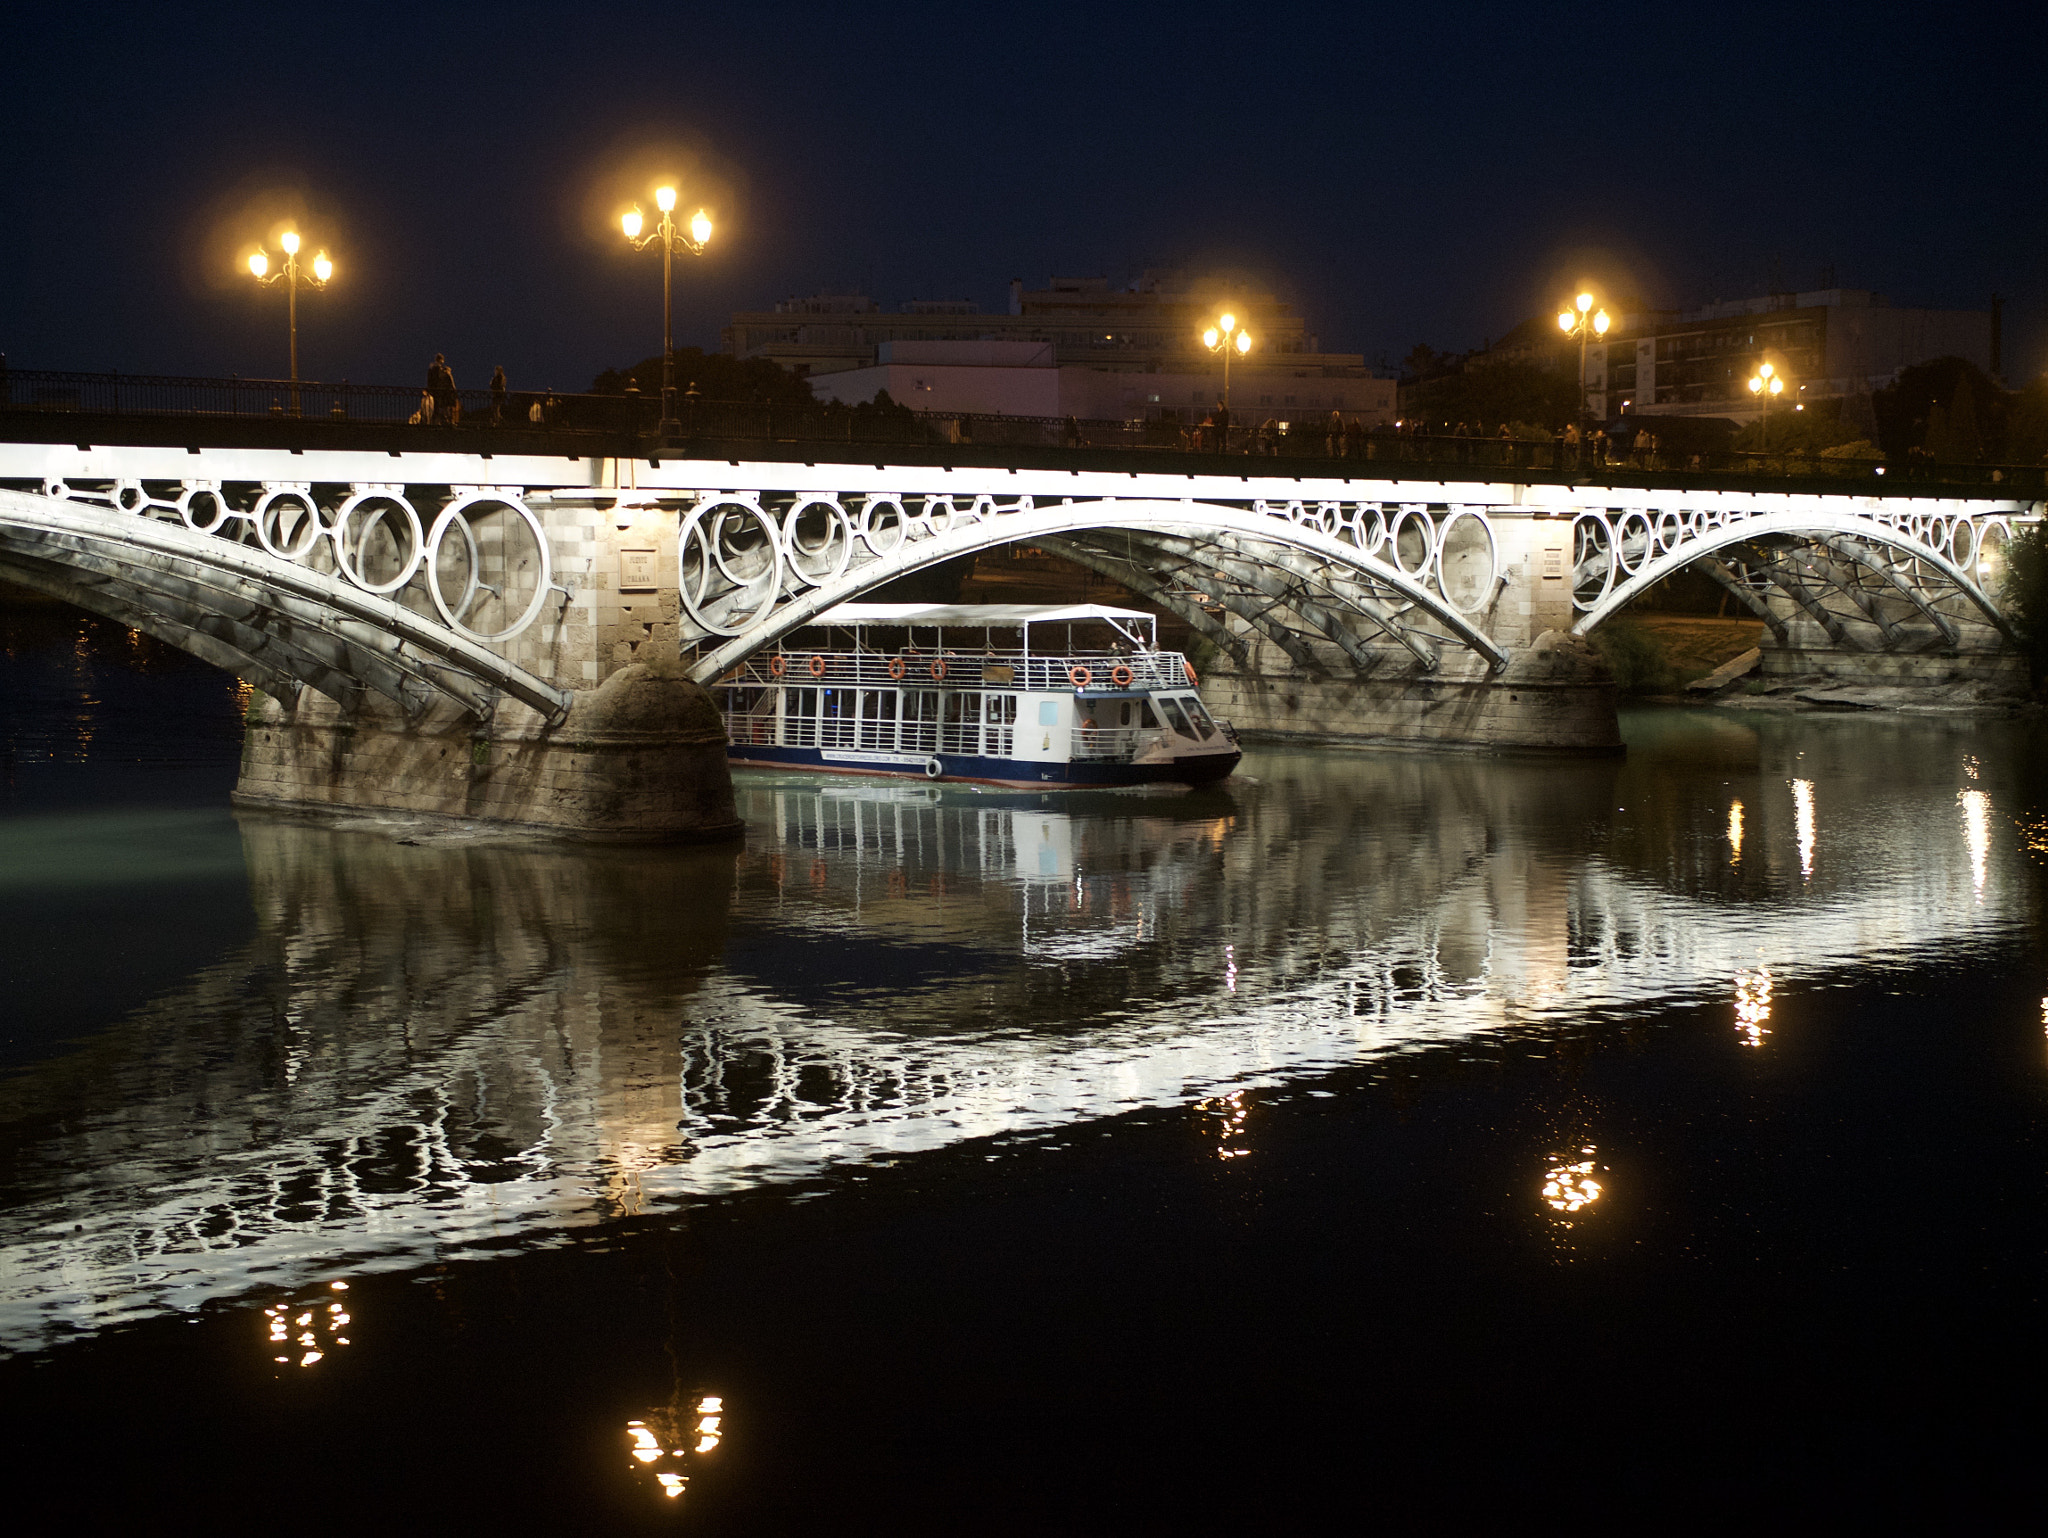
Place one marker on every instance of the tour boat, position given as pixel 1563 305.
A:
pixel 1000 694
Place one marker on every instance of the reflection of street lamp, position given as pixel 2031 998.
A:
pixel 1763 384
pixel 670 237
pixel 1225 337
pixel 290 277
pixel 1576 322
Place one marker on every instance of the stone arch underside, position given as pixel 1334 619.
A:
pixel 1230 573
pixel 1867 585
pixel 280 624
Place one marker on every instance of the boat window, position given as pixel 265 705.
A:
pixel 1002 708
pixel 920 720
pixel 878 719
pixel 1123 712
pixel 1174 718
pixel 1048 712
pixel 1199 716
pixel 1147 716
pixel 800 717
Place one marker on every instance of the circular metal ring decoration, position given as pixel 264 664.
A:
pixel 274 507
pixel 348 554
pixel 1592 560
pixel 193 499
pixel 711 587
pixel 1411 541
pixel 1635 541
pixel 805 563
pixel 456 513
pixel 1466 561
pixel 870 525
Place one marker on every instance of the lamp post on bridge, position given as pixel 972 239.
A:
pixel 291 276
pixel 1583 325
pixel 1763 384
pixel 1227 337
pixel 671 236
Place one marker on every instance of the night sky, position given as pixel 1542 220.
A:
pixel 1401 174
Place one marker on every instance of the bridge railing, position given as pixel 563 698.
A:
pixel 1344 450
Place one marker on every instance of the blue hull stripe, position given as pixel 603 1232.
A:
pixel 1197 770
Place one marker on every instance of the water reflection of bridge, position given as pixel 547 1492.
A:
pixel 430 1050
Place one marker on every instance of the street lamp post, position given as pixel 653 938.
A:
pixel 291 276
pixel 1227 337
pixel 671 236
pixel 1577 322
pixel 1763 384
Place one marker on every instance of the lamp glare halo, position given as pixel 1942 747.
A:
pixel 290 241
pixel 665 198
pixel 1210 337
pixel 630 223
pixel 700 228
pixel 1585 303
pixel 259 264
pixel 1244 341
pixel 323 269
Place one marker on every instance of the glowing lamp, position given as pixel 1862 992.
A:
pixel 1244 342
pixel 1767 371
pixel 1601 323
pixel 323 269
pixel 1756 387
pixel 1585 303
pixel 1227 321
pixel 1777 387
pixel 665 198
pixel 1210 337
pixel 630 223
pixel 700 227
pixel 259 264
pixel 1565 321
pixel 290 241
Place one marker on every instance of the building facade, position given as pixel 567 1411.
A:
pixel 1078 348
pixel 1826 344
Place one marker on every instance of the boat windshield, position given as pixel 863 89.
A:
pixel 1200 716
pixel 1174 718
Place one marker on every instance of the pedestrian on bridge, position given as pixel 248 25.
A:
pixel 498 393
pixel 441 391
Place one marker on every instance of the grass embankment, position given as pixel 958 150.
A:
pixel 1662 653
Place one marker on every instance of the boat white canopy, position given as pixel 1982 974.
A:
pixel 1137 626
pixel 978 615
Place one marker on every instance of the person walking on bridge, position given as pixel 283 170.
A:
pixel 441 390
pixel 498 393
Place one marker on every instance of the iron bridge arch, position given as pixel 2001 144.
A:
pixel 754 569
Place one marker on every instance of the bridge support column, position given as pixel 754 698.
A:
pixel 639 757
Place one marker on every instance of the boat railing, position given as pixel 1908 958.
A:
pixel 908 669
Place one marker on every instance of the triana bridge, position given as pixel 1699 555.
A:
pixel 455 604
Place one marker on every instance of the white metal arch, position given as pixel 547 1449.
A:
pixel 157 556
pixel 1797 525
pixel 1138 515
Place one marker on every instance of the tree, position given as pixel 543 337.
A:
pixel 1906 411
pixel 717 376
pixel 2026 425
pixel 1502 392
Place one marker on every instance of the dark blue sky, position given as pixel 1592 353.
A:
pixel 1402 174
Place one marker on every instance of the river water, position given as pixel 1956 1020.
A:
pixel 1397 1135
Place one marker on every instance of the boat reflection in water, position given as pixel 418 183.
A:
pixel 434 1049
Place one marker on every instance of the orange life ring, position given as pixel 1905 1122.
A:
pixel 1079 676
pixel 817 667
pixel 1120 676
pixel 938 668
pixel 897 667
pixel 1188 668
pixel 777 665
